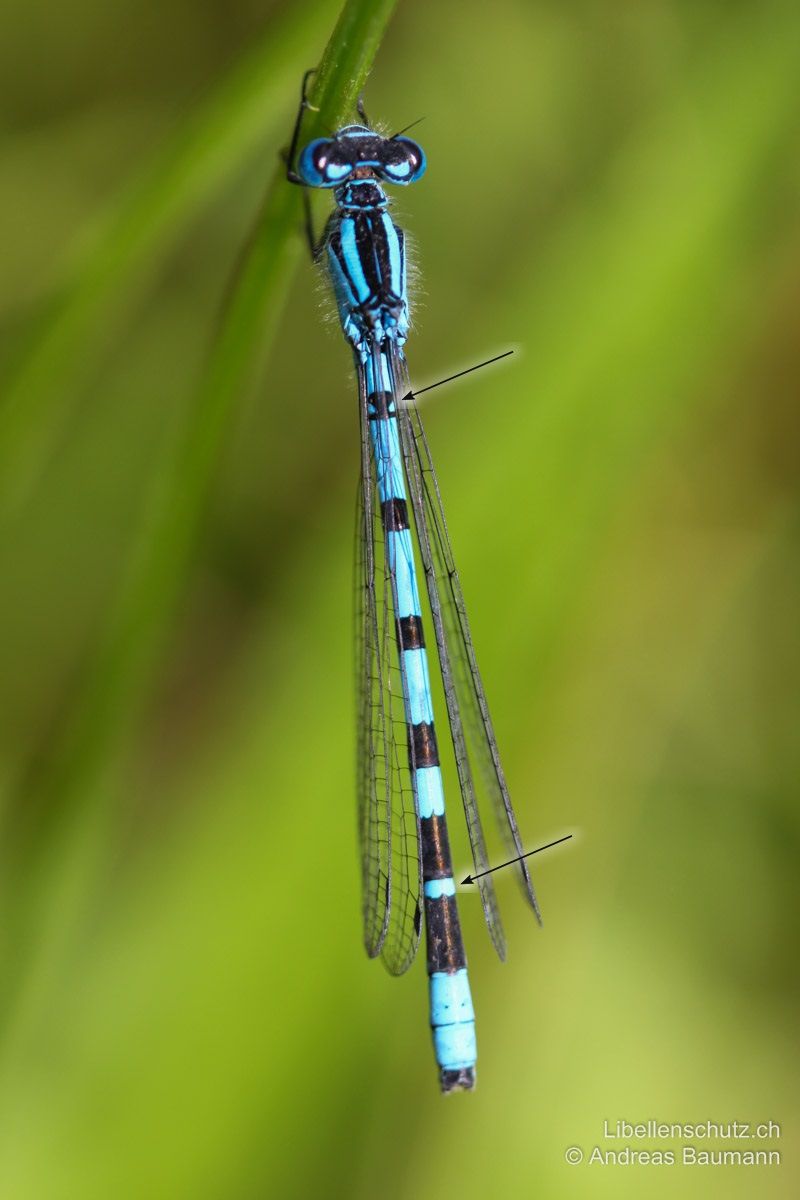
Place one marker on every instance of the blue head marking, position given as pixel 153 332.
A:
pixel 329 162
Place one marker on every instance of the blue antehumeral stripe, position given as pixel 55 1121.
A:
pixel 347 231
pixel 395 266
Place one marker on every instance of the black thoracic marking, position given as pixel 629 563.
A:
pixel 435 848
pixel 394 513
pixel 460 1080
pixel 425 752
pixel 410 634
pixel 374 257
pixel 381 406
pixel 375 260
pixel 373 251
pixel 445 944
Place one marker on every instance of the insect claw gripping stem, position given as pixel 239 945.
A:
pixel 305 105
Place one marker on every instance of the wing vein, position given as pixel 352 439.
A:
pixel 453 702
pixel 389 828
pixel 480 735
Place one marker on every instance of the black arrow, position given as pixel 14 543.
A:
pixel 511 861
pixel 411 395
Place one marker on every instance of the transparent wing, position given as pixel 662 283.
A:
pixel 388 824
pixel 473 739
pixel 373 774
pixel 477 729
pixel 481 739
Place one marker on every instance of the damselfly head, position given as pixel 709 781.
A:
pixel 359 152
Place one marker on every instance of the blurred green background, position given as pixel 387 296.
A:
pixel 185 1007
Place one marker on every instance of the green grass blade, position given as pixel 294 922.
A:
pixel 41 858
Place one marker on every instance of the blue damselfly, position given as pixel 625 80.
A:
pixel 406 862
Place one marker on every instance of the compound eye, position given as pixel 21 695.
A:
pixel 403 160
pixel 322 165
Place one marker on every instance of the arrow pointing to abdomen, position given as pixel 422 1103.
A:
pixel 477 367
pixel 511 861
